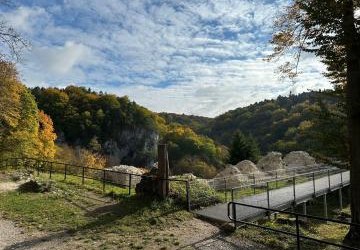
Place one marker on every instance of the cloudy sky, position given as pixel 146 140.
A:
pixel 199 57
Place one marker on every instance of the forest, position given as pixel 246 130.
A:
pixel 81 126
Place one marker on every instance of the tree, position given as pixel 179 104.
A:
pixel 329 29
pixel 243 148
pixel 23 130
pixel 46 136
pixel 12 43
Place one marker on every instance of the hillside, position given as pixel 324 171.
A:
pixel 124 132
pixel 283 124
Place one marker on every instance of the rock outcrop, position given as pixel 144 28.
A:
pixel 299 159
pixel 270 162
pixel 136 146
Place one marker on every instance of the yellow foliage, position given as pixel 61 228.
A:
pixel 80 156
pixel 46 136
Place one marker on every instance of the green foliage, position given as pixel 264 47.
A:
pixel 201 194
pixel 96 120
pixel 243 148
pixel 185 146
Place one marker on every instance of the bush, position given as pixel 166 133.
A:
pixel 201 194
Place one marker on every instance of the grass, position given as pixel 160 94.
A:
pixel 131 222
pixel 331 232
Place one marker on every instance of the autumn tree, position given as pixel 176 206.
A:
pixel 330 30
pixel 46 136
pixel 23 130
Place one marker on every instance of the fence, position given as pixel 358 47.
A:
pixel 228 182
pixel 232 207
pixel 104 176
pixel 267 186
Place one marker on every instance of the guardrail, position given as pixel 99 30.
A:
pixel 231 210
pixel 221 183
pixel 105 176
pixel 313 176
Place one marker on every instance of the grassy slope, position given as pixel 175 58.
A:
pixel 128 223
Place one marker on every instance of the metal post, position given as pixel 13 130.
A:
pixel 38 168
pixel 341 178
pixel 294 183
pixel 267 194
pixel 276 177
pixel 325 207
pixel 130 184
pixel 65 171
pixel 297 231
pixel 329 179
pixel 188 196
pixel 340 199
pixel 225 189
pixel 83 175
pixel 313 178
pixel 304 211
pixel 268 199
pixel 254 183
pixel 232 195
pixel 104 175
pixel 234 214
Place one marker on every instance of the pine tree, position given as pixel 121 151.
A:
pixel 243 148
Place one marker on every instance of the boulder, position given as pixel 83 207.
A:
pixel 120 174
pixel 270 162
pixel 299 159
pixel 247 167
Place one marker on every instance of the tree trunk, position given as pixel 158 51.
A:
pixel 351 39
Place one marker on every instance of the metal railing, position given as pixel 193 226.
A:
pixel 104 176
pixel 234 218
pixel 297 179
pixel 221 183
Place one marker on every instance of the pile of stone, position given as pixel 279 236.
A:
pixel 120 174
pixel 247 167
pixel 271 162
pixel 228 178
pixel 296 159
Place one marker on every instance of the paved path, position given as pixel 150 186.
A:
pixel 279 198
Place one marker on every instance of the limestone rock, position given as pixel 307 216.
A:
pixel 120 174
pixel 247 167
pixel 270 162
pixel 299 159
pixel 228 178
pixel 228 171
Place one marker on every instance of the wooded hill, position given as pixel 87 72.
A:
pixel 127 133
pixel 312 121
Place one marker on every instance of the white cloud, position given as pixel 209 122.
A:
pixel 198 56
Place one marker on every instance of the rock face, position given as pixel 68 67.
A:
pixel 247 167
pixel 135 146
pixel 299 159
pixel 270 162
pixel 120 174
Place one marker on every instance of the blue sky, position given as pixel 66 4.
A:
pixel 199 57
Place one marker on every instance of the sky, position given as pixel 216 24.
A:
pixel 199 57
